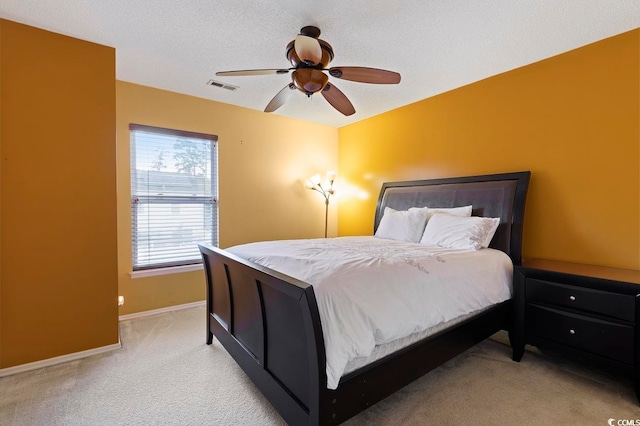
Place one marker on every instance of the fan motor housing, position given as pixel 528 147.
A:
pixel 309 80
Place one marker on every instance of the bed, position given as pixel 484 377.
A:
pixel 270 322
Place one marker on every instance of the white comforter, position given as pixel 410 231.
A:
pixel 371 291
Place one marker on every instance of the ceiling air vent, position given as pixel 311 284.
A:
pixel 222 85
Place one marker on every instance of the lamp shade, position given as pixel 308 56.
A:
pixel 315 180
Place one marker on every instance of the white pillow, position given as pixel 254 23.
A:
pixel 449 231
pixel 402 225
pixel 456 211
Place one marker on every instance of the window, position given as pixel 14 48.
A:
pixel 173 196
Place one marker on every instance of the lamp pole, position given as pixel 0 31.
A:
pixel 326 214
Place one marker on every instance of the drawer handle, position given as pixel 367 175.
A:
pixel 572 331
pixel 572 298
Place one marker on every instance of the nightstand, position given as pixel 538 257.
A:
pixel 592 311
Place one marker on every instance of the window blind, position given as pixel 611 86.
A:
pixel 173 196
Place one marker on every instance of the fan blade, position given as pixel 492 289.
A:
pixel 308 49
pixel 338 100
pixel 279 99
pixel 365 75
pixel 252 72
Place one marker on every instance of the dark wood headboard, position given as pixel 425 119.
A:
pixel 498 195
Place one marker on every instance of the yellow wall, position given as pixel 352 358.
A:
pixel 263 161
pixel 58 271
pixel 573 120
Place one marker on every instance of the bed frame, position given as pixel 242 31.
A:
pixel 270 325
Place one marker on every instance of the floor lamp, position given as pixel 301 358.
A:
pixel 315 183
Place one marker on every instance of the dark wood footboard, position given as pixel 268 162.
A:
pixel 270 325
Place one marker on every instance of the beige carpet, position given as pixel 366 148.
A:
pixel 165 374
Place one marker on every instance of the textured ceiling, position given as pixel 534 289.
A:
pixel 436 46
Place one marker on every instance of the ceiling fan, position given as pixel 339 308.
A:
pixel 310 57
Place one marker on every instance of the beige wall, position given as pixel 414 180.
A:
pixel 573 120
pixel 263 161
pixel 58 270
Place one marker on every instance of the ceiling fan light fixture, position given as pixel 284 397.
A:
pixel 294 59
pixel 308 49
pixel 327 53
pixel 310 57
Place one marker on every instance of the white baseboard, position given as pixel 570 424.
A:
pixel 58 360
pixel 161 310
pixel 83 354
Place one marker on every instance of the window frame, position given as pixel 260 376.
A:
pixel 171 199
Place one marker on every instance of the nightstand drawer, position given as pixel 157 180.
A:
pixel 600 337
pixel 614 305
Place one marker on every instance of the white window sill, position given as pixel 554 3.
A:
pixel 165 271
